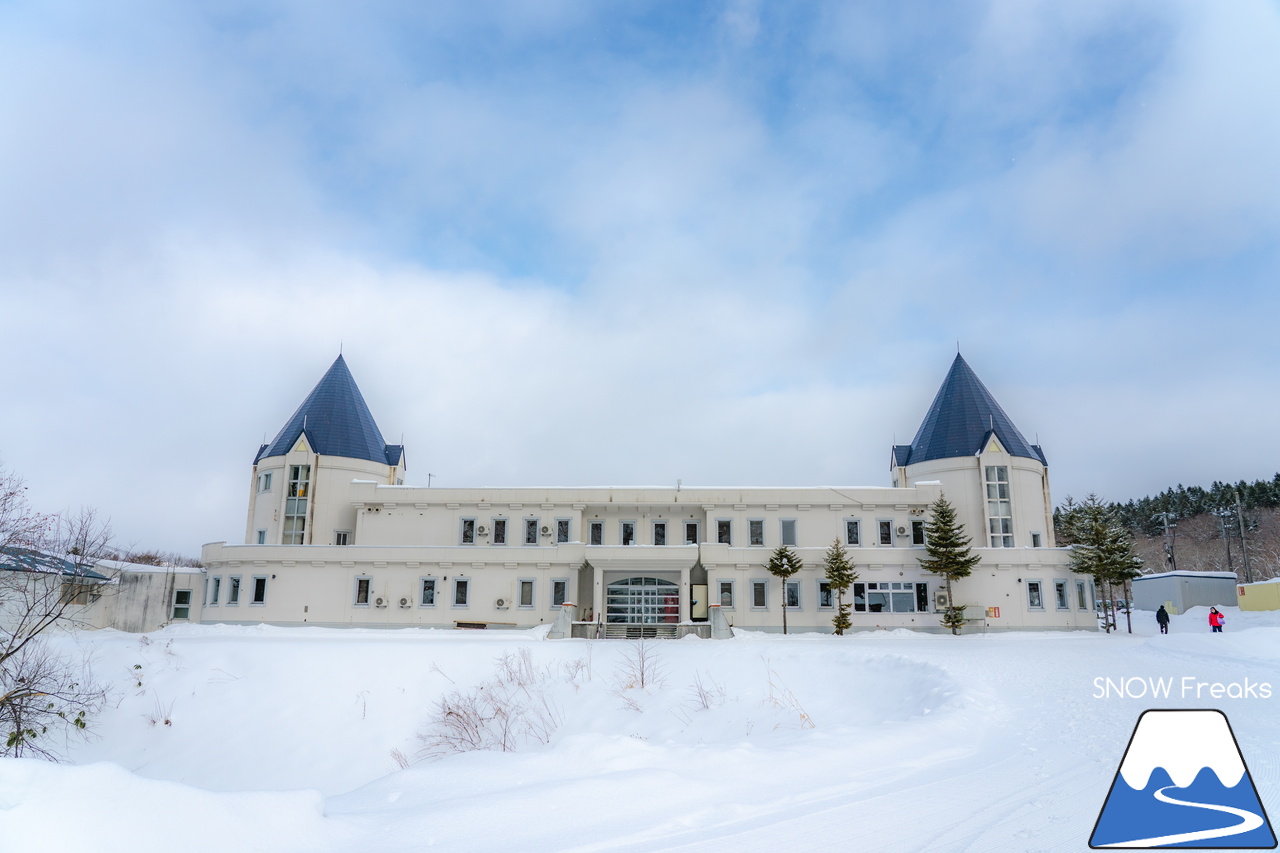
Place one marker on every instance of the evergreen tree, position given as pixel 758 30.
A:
pixel 1103 549
pixel 840 576
pixel 949 555
pixel 784 563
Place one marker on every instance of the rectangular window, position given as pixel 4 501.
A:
pixel 691 533
pixel 659 533
pixel 182 602
pixel 788 531
pixel 859 598
pixel 826 600
pixel 526 592
pixel 362 591
pixel 259 589
pixel 215 590
pixel 264 482
pixel 262 537
pixel 562 530
pixel 724 531
pixel 1060 595
pixel 755 531
pixel 468 531
pixel 342 537
pixel 597 533
pixel 759 595
pixel 917 533
pixel 295 505
pixel 559 591
pixel 999 507
pixel 793 594
pixel 428 597
pixel 233 590
pixel 461 592
pixel 1082 602
pixel 726 594
pixel 499 531
pixel 531 531
pixel 1035 600
pixel 628 533
pixel 852 532
pixel 886 531
pixel 1035 540
pixel 891 597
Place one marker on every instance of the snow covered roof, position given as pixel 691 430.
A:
pixel 14 559
pixel 336 421
pixel 961 420
pixel 1187 574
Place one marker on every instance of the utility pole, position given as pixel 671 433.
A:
pixel 1223 515
pixel 1169 558
pixel 1248 575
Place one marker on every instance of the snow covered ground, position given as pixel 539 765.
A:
pixel 234 739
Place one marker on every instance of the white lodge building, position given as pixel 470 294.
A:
pixel 334 538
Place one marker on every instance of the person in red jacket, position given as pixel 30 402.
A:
pixel 1215 620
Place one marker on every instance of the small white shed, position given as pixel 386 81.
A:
pixel 1180 591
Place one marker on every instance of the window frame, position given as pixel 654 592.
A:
pixel 627 532
pixel 917 533
pixel 1039 592
pixel 233 591
pixel 1082 597
pixel 882 531
pixel 1003 494
pixel 697 531
pixel 342 538
pixel 567 535
pixel 759 584
pixel 724 531
pixel 467 531
pixel 262 536
pixel 795 532
pixel 264 481
pixel 254 599
pixel 215 591
pixel 367 582
pixel 555 605
pixel 176 604
pixel 827 594
pixel 755 532
pixel 1061 594
pixel 423 584
pixel 789 587
pixel 733 593
pixel 521 585
pixel 595 532
pixel 463 585
pixel 854 525
pixel 498 523
pixel 531 526
pixel 653 532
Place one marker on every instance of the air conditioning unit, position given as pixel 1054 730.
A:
pixel 379 602
pixel 404 602
pixel 940 600
pixel 501 604
pixel 902 531
pixel 546 531
pixel 482 530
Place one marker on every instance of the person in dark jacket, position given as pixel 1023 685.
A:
pixel 1162 616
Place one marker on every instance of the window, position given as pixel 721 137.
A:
pixel 468 531
pixel 724 531
pixel 182 602
pixel 362 591
pixel 793 594
pixel 659 533
pixel 461 592
pixel 499 531
pixel 1035 540
pixel 215 590
pixel 852 533
pixel 1060 595
pixel 1082 602
pixel 755 531
pixel 917 533
pixel 788 532
pixel 886 531
pixel 428 597
pixel 295 505
pixel 891 597
pixel 264 482
pixel 999 508
pixel 342 537
pixel 597 533
pixel 691 533
pixel 233 590
pixel 726 594
pixel 826 600
pixel 559 591
pixel 759 595
pixel 526 592
pixel 259 589
pixel 628 533
pixel 1035 599
pixel 78 592
pixel 562 530
pixel 531 531
pixel 262 537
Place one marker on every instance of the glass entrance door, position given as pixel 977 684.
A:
pixel 647 601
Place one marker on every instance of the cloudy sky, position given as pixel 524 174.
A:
pixel 570 243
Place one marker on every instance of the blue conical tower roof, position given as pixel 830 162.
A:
pixel 337 422
pixel 961 420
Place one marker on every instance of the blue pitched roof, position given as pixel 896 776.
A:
pixel 337 422
pixel 961 420
pixel 15 559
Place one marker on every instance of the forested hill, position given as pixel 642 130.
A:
pixel 1205 528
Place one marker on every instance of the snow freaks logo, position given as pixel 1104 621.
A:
pixel 1183 782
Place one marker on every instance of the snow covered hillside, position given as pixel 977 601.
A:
pixel 232 739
